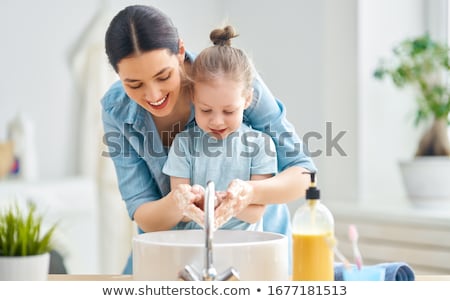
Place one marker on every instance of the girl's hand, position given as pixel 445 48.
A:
pixel 237 197
pixel 189 199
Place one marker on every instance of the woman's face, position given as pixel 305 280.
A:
pixel 153 80
pixel 219 106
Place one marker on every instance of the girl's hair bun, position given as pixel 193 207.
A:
pixel 223 36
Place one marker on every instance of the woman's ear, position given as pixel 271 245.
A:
pixel 181 51
pixel 248 98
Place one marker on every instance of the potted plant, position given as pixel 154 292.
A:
pixel 24 246
pixel 423 63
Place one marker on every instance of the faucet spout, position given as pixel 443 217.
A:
pixel 209 273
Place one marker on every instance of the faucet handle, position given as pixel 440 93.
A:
pixel 189 274
pixel 231 274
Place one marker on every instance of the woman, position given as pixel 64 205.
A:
pixel 151 103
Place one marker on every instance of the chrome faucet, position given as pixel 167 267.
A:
pixel 209 272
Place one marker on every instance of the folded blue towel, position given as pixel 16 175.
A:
pixel 394 271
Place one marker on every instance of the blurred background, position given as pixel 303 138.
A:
pixel 317 56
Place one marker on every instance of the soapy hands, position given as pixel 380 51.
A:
pixel 190 200
pixel 237 197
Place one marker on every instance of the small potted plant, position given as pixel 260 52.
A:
pixel 24 246
pixel 423 63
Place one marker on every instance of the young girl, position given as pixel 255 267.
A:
pixel 219 147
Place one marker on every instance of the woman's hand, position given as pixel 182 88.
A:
pixel 237 197
pixel 189 199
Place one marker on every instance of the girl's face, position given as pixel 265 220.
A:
pixel 153 79
pixel 219 106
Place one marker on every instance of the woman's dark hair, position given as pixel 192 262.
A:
pixel 137 29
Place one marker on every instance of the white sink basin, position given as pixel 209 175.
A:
pixel 255 255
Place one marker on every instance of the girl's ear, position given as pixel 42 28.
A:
pixel 181 51
pixel 248 98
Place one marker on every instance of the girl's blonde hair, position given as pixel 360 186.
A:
pixel 223 60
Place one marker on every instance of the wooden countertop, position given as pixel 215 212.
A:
pixel 71 277
pixel 90 277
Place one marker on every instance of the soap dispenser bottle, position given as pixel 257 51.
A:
pixel 313 234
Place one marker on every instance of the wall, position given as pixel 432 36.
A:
pixel 37 37
pixel 386 114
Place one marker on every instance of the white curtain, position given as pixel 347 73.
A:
pixel 93 76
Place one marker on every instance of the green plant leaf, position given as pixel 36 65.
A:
pixel 21 235
pixel 423 63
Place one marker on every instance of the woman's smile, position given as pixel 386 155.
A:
pixel 160 104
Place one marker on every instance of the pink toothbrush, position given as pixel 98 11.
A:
pixel 332 244
pixel 353 235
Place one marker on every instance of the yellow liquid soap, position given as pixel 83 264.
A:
pixel 312 258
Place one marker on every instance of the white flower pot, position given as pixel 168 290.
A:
pixel 17 268
pixel 427 180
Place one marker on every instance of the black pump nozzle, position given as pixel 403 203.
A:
pixel 312 193
pixel 313 177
